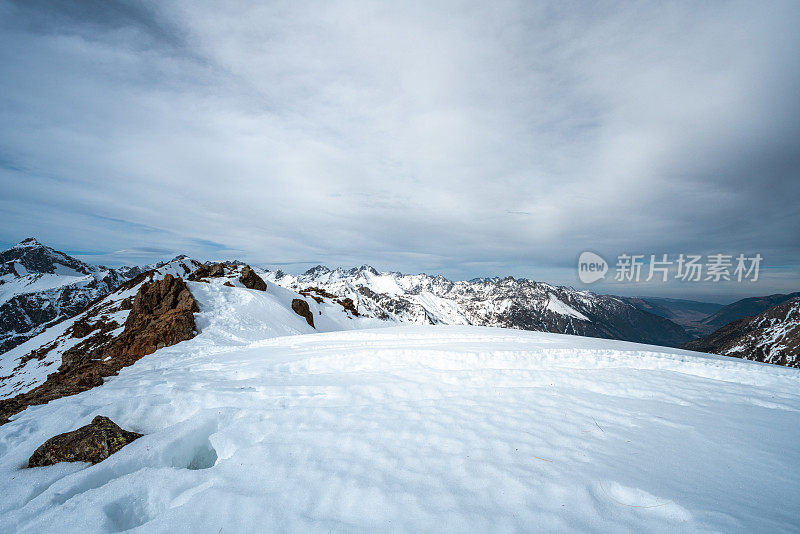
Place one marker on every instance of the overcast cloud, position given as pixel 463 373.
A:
pixel 468 139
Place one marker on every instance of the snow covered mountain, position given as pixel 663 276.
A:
pixel 259 423
pixel 504 302
pixel 772 336
pixel 40 286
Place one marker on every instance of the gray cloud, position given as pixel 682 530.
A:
pixel 463 138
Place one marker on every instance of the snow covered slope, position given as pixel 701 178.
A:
pixel 415 429
pixel 40 286
pixel 506 302
pixel 772 336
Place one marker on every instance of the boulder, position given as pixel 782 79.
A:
pixel 91 443
pixel 251 280
pixel 301 308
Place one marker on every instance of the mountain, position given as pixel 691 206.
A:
pixel 743 308
pixel 772 336
pixel 503 302
pixel 687 313
pixel 261 423
pixel 40 286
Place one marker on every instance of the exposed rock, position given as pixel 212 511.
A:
pixel 348 304
pixel 213 270
pixel 161 315
pixel 301 308
pixel 309 292
pixel 228 284
pixel 251 280
pixel 91 443
pixel 81 328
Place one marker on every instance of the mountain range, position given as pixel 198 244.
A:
pixel 41 287
pixel 504 302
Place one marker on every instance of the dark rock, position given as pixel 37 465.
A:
pixel 213 270
pixel 228 284
pixel 301 308
pixel 91 443
pixel 348 304
pixel 251 280
pixel 81 328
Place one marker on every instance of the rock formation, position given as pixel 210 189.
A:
pixel 91 443
pixel 251 280
pixel 301 308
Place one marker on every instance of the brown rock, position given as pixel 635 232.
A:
pixel 81 328
pixel 348 305
pixel 213 270
pixel 301 308
pixel 228 284
pixel 91 443
pixel 162 315
pixel 251 280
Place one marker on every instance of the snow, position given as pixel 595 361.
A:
pixel 383 283
pixel 36 283
pixel 261 424
pixel 441 310
pixel 557 306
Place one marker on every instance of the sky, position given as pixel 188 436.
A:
pixel 461 138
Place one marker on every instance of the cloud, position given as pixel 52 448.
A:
pixel 451 137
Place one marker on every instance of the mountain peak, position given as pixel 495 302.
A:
pixel 28 242
pixel 368 268
pixel 319 269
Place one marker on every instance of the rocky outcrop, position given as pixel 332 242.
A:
pixel 91 443
pixel 251 280
pixel 210 270
pixel 162 314
pixel 301 308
